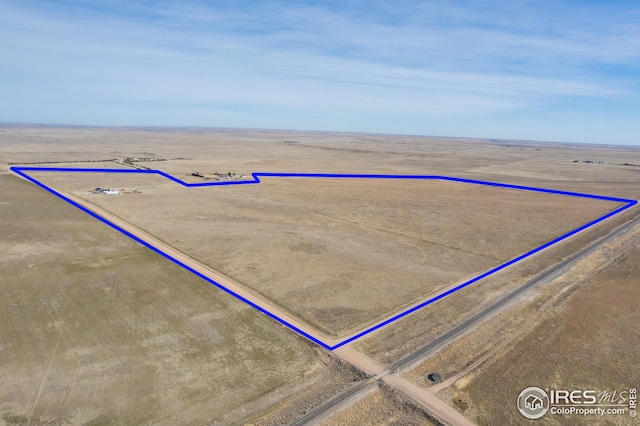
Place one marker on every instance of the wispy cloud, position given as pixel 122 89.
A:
pixel 414 63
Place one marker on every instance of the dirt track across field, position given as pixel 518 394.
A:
pixel 199 267
pixel 427 400
pixel 426 397
pixel 434 406
pixel 383 352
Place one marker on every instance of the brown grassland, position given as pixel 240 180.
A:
pixel 96 329
pixel 586 340
pixel 400 338
pixel 341 253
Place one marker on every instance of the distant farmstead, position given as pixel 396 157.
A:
pixel 106 191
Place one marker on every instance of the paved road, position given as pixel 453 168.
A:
pixel 338 402
pixel 468 324
pixel 358 390
pixel 431 403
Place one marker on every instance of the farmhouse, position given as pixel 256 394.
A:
pixel 106 191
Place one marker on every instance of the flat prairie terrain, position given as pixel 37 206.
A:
pixel 589 341
pixel 400 338
pixel 341 253
pixel 96 328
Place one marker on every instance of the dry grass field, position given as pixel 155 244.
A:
pixel 341 253
pixel 400 338
pixel 98 329
pixel 588 341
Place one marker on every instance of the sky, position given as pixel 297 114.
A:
pixel 552 71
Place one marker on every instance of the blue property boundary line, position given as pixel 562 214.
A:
pixel 256 180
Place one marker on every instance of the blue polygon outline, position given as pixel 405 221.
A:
pixel 256 179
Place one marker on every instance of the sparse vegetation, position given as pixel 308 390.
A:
pixel 336 259
pixel 110 330
pixel 137 340
pixel 572 346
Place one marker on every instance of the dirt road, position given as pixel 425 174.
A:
pixel 184 260
pixel 466 326
pixel 361 389
pixel 432 404
pixel 633 225
pixel 426 398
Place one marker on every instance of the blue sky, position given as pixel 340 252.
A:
pixel 559 71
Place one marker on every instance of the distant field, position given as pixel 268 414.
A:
pixel 97 328
pixel 341 253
